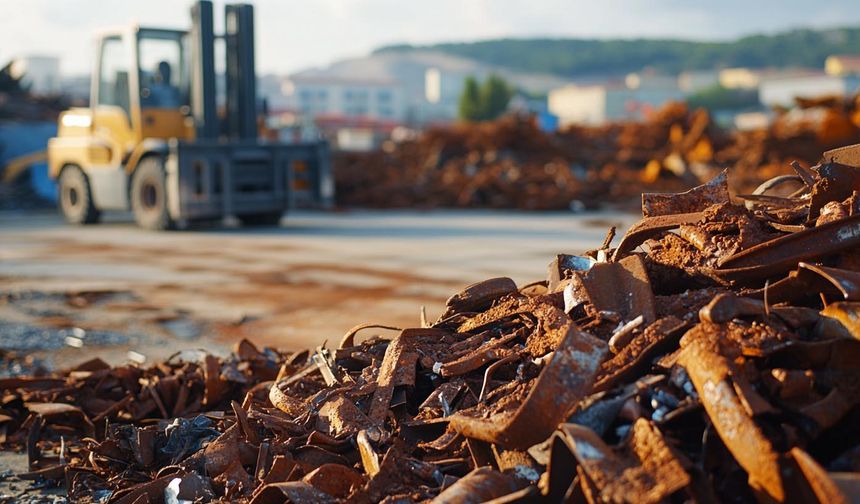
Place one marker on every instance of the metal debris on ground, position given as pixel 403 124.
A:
pixel 712 356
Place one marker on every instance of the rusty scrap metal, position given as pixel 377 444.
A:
pixel 481 485
pixel 695 200
pixel 619 290
pixel 783 254
pixel 719 363
pixel 815 280
pixel 711 374
pixel 648 473
pixel 565 380
pixel 847 315
pixel 479 296
pixel 650 227
pixel 847 155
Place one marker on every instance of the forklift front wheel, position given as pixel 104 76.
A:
pixel 149 195
pixel 76 199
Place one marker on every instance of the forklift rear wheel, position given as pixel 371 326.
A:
pixel 262 219
pixel 76 199
pixel 149 195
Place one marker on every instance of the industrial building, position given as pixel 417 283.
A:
pixel 340 96
pixel 842 65
pixel 632 99
pixel 782 91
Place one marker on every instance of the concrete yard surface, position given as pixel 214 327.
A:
pixel 116 291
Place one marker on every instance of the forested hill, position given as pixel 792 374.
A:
pixel 575 57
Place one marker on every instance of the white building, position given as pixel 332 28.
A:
pixel 442 90
pixel 639 95
pixel 740 78
pixel 783 91
pixel 41 74
pixel 316 96
pixel 429 83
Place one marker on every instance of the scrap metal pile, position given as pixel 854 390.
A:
pixel 511 163
pixel 710 356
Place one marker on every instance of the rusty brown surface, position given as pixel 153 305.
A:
pixel 695 200
pixel 811 280
pixel 479 296
pixel 716 363
pixel 650 227
pixel 783 254
pixel 481 485
pixel 620 291
pixel 846 317
pixel 847 155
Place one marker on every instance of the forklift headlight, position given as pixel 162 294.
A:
pixel 77 120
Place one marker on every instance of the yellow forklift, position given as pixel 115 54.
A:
pixel 153 140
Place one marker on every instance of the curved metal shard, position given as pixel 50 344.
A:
pixel 782 254
pixel 567 378
pixel 710 373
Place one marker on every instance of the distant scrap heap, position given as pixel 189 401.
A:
pixel 511 163
pixel 18 102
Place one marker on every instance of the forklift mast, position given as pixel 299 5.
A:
pixel 203 71
pixel 241 76
pixel 226 169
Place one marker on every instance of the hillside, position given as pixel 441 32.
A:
pixel 583 57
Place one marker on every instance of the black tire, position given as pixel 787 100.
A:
pixel 76 198
pixel 149 195
pixel 262 219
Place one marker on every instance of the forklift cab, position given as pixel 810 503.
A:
pixel 142 88
pixel 139 103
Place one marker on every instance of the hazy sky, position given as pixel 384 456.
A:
pixel 295 34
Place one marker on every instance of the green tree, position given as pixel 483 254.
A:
pixel 720 98
pixel 470 101
pixel 495 95
pixel 485 101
